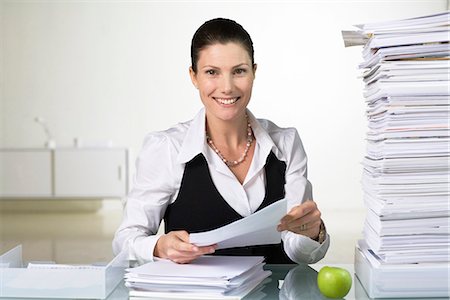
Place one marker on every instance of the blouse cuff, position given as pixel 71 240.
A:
pixel 302 249
pixel 142 248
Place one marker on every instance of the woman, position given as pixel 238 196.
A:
pixel 221 166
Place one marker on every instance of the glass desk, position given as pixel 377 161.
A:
pixel 288 282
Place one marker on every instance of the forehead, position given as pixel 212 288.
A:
pixel 224 54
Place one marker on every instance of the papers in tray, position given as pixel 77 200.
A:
pixel 257 229
pixel 400 279
pixel 208 277
pixel 47 281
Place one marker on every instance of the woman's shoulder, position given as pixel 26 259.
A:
pixel 276 132
pixel 172 136
pixel 286 139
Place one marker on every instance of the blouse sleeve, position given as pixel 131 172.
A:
pixel 147 201
pixel 299 248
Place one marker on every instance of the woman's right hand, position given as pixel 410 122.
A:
pixel 176 247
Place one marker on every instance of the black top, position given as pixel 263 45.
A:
pixel 200 207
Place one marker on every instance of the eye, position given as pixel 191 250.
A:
pixel 211 72
pixel 240 71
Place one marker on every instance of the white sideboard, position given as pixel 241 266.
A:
pixel 64 173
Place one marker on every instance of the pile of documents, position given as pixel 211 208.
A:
pixel 208 277
pixel 213 277
pixel 406 177
pixel 388 280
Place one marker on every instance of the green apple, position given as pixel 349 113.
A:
pixel 334 282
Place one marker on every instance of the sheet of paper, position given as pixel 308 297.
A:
pixel 257 229
pixel 205 266
pixel 62 266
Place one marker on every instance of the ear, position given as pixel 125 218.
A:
pixel 254 69
pixel 193 77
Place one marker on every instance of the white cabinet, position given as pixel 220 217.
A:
pixel 25 173
pixel 90 173
pixel 64 173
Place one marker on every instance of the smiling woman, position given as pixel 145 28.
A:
pixel 221 166
pixel 225 79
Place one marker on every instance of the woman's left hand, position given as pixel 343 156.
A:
pixel 302 219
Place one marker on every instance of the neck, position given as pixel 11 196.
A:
pixel 228 133
pixel 232 143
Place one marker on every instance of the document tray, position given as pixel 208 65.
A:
pixel 81 282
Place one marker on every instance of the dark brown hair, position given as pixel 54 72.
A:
pixel 220 31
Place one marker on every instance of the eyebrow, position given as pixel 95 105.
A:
pixel 234 67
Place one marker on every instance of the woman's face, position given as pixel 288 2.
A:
pixel 224 79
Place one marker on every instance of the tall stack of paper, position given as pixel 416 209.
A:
pixel 208 277
pixel 406 177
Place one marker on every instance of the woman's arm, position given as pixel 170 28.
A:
pixel 147 201
pixel 153 188
pixel 302 224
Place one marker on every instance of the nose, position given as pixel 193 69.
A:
pixel 227 84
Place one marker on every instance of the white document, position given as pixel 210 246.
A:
pixel 63 267
pixel 225 267
pixel 259 228
pixel 418 22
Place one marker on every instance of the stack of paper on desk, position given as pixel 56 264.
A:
pixel 208 277
pixel 406 176
pixel 399 280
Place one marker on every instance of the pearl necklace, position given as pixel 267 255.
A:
pixel 233 163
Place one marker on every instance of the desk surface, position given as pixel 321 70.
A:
pixel 291 282
pixel 288 282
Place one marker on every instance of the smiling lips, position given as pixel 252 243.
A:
pixel 227 101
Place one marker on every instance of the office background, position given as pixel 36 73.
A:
pixel 108 72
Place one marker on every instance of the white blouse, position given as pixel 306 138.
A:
pixel 160 167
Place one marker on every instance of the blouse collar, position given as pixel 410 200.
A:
pixel 195 143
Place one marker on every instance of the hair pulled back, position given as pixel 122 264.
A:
pixel 219 31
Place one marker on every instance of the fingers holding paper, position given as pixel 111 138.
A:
pixel 176 247
pixel 302 219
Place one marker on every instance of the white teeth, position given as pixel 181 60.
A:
pixel 226 101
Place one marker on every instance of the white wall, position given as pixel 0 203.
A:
pixel 116 70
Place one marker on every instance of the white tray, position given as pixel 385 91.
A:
pixel 429 280
pixel 81 282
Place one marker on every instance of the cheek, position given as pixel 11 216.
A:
pixel 246 85
pixel 206 87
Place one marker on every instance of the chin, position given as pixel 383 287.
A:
pixel 230 115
